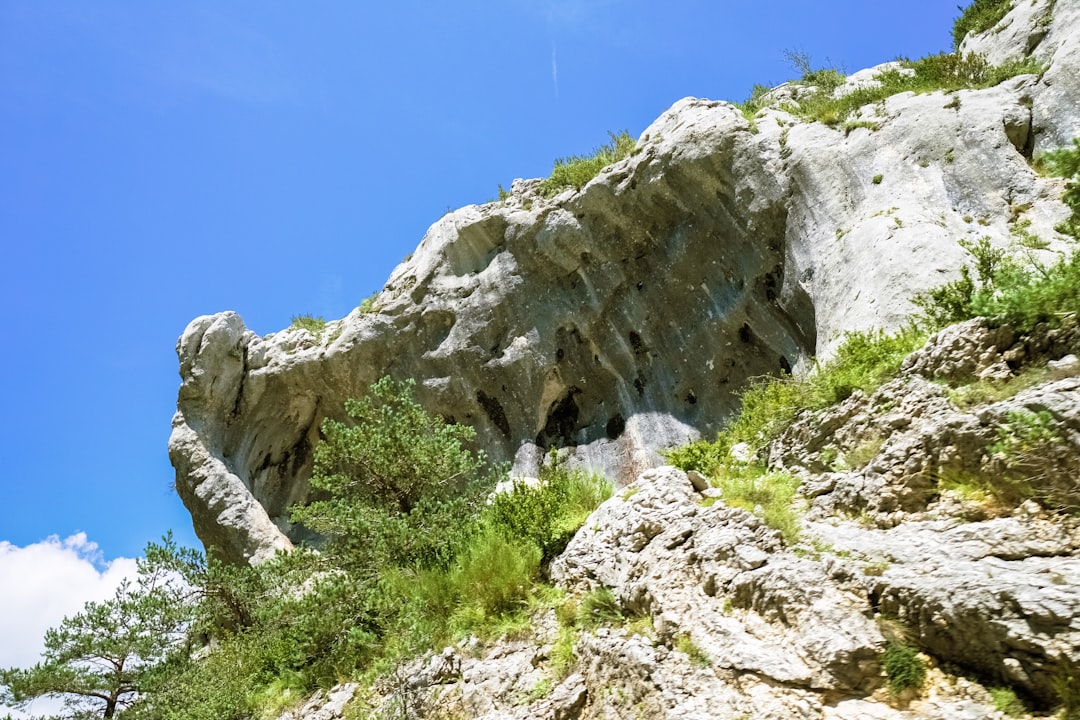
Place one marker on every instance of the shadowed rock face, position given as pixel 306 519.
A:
pixel 624 318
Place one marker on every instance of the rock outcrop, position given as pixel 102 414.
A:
pixel 623 317
pixel 912 531
pixel 936 514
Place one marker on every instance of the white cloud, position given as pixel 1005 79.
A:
pixel 42 583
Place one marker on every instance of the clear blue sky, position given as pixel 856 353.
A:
pixel 159 161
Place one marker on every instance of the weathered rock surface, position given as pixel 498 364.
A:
pixel 622 318
pixel 776 632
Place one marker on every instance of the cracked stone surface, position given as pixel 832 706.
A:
pixel 622 318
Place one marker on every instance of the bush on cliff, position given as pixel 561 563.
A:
pixel 979 16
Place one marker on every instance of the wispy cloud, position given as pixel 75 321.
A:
pixel 555 71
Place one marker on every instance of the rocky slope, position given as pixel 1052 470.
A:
pixel 723 618
pixel 623 318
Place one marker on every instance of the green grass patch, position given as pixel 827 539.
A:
pixel 979 16
pixel 863 362
pixel 686 646
pixel 943 72
pixel 577 170
pixel 771 495
pixel 982 392
pixel 548 515
pixel 599 607
pixel 861 455
pixel 313 324
pixel 367 305
pixel 1005 701
pixel 561 658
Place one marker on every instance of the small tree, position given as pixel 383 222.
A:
pixel 100 659
pixel 397 482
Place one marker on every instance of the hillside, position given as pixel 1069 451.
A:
pixel 904 544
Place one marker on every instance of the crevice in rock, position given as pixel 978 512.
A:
pixel 616 425
pixel 238 401
pixel 562 421
pixel 494 411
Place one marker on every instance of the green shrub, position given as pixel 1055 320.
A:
pixel 1065 162
pixel 979 16
pixel 864 361
pixel 577 170
pixel 1020 292
pixel 548 514
pixel 903 667
pixel 493 576
pixel 1013 287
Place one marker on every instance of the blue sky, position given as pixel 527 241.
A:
pixel 159 161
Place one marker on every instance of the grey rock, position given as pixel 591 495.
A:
pixel 961 351
pixel 569 697
pixel 685 565
pixel 541 323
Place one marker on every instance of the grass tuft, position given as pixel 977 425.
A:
pixel 577 170
pixel 1005 701
pixel 686 645
pixel 314 325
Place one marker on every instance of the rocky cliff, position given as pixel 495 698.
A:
pixel 624 317
pixel 718 615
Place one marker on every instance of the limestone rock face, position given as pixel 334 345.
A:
pixel 623 317
pixel 724 618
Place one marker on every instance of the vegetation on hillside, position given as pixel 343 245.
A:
pixel 417 552
pixel 979 16
pixel 415 556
